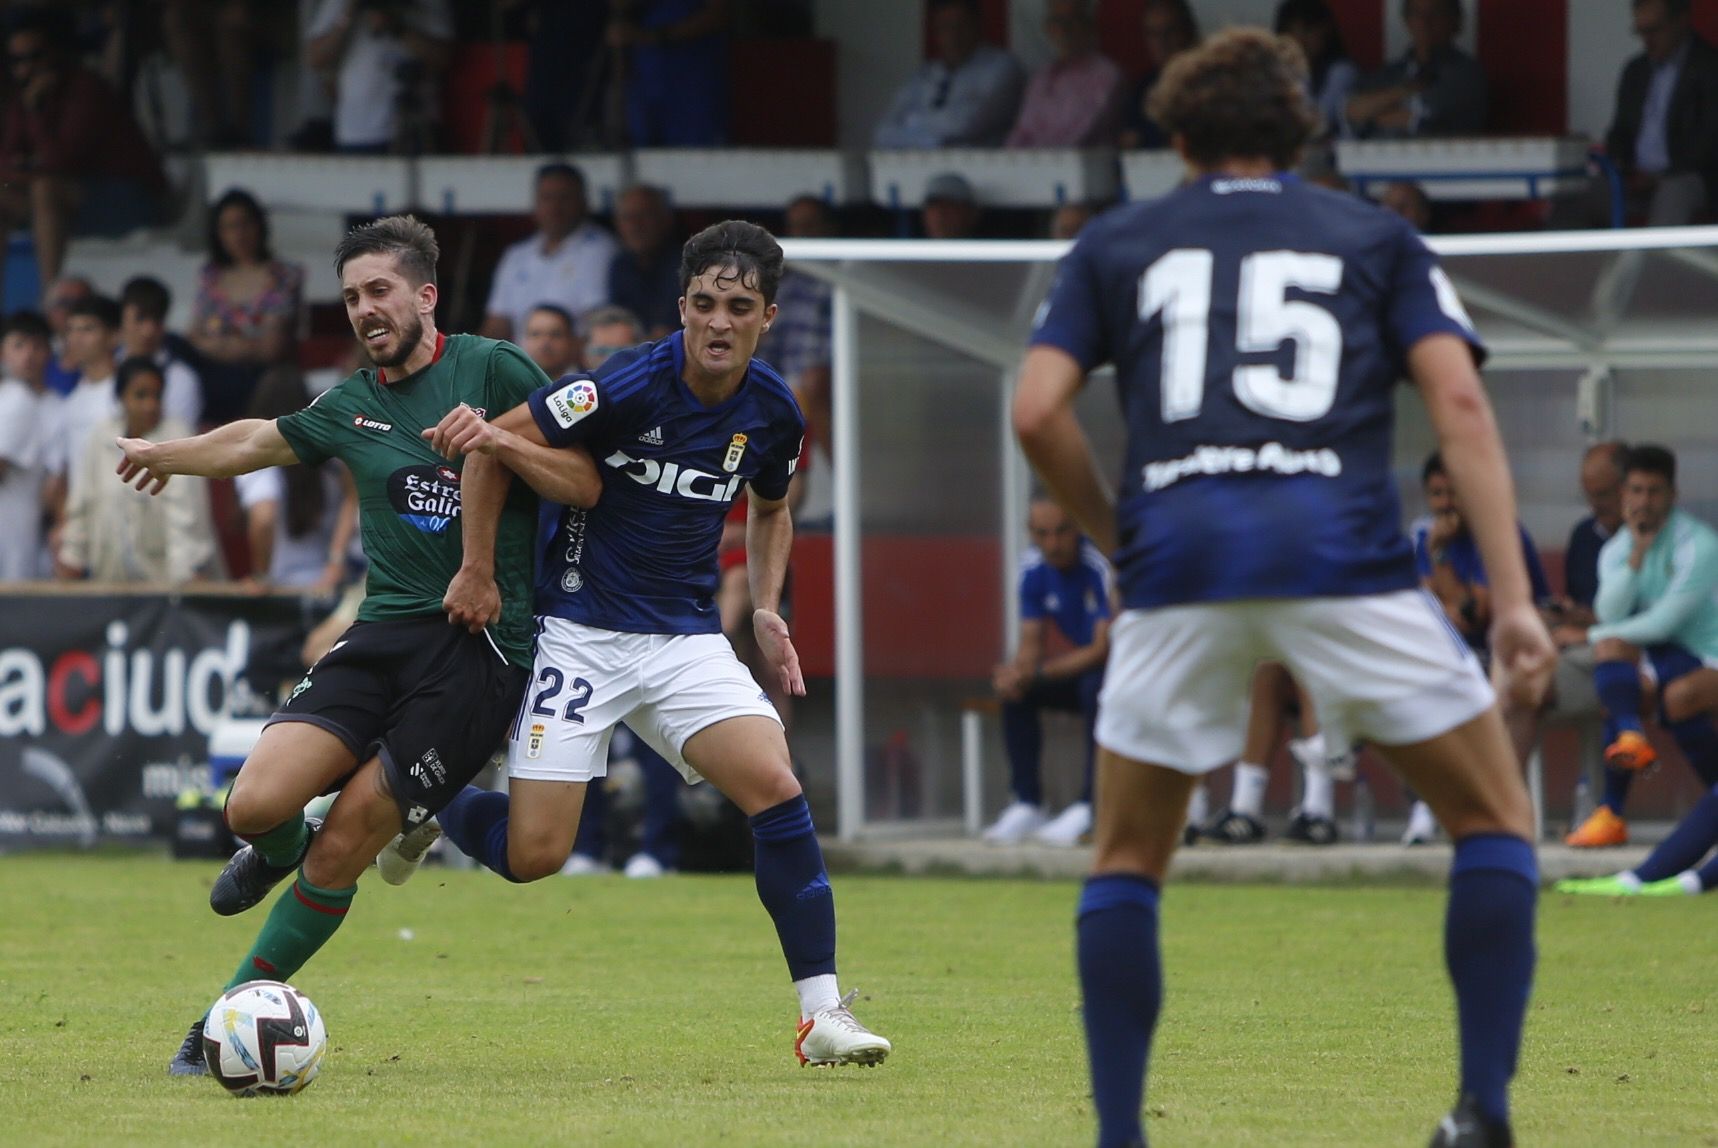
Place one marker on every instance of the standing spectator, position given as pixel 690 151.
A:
pixel 248 309
pixel 951 209
pixel 1432 89
pixel 644 276
pixel 565 263
pixel 966 97
pixel 566 38
pixel 608 329
pixel 92 339
pixel 143 305
pixel 1065 595
pixel 115 533
pixel 676 70
pixel 387 56
pixel 300 519
pixel 72 158
pixel 1170 29
pixel 552 340
pixel 1076 99
pixel 57 302
pixel 215 45
pixel 1331 74
pixel 24 406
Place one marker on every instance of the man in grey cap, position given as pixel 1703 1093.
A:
pixel 951 209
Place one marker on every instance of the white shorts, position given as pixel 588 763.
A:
pixel 1385 667
pixel 666 687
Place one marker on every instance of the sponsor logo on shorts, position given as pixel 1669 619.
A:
pixel 573 402
pixel 534 743
pixel 428 769
pixel 572 581
pixel 365 422
pixel 416 814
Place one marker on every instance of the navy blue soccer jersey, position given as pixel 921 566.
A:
pixel 1074 600
pixel 643 559
pixel 1258 328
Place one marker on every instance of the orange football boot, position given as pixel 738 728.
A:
pixel 1602 830
pixel 1631 750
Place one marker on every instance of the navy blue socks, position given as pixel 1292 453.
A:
pixel 1693 837
pixel 1121 981
pixel 1488 948
pixel 1618 687
pixel 794 887
pixel 475 821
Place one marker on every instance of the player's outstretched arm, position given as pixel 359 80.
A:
pixel 1442 367
pixel 769 540
pixel 1057 446
pixel 237 448
pixel 567 476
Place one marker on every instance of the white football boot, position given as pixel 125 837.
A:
pixel 1018 822
pixel 832 1036
pixel 400 858
pixel 1065 831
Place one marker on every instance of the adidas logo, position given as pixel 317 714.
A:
pixel 653 436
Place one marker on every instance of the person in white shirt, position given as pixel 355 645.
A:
pixel 143 305
pixel 966 97
pixel 386 55
pixel 565 263
pixel 92 338
pixel 24 351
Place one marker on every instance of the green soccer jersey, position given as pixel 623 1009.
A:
pixel 408 496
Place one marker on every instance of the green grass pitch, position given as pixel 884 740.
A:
pixel 614 1012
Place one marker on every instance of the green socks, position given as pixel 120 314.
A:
pixel 303 918
pixel 284 844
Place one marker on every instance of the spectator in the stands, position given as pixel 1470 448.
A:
pixel 1170 28
pixel 608 330
pixel 644 276
pixel 565 262
pixel 1408 200
pixel 1332 75
pixel 567 73
pixel 143 305
pixel 1432 89
pixel 1069 219
pixel 248 309
pixel 676 70
pixel 386 57
pixel 57 303
pixel 966 97
pixel 116 533
pixel 552 339
pixel 300 519
pixel 1664 132
pixel 216 45
pixel 951 209
pixel 1076 99
pixel 798 346
pixel 25 414
pixel 92 342
pixel 1602 488
pixel 72 159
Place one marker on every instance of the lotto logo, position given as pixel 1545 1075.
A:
pixel 573 402
pixel 365 422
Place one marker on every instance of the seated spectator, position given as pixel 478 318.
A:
pixel 300 519
pixel 57 302
pixel 1068 220
pixel 552 340
pixel 92 342
pixel 249 306
pixel 24 415
pixel 676 70
pixel 951 209
pixel 1408 200
pixel 1065 595
pixel 565 263
pixel 1312 25
pixel 1076 99
pixel 1170 29
pixel 797 345
pixel 72 159
pixel 644 276
pixel 1433 89
pixel 608 330
pixel 386 57
pixel 115 533
pixel 1657 610
pixel 143 305
pixel 966 97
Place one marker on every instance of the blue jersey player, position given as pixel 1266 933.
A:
pixel 1258 327
pixel 628 628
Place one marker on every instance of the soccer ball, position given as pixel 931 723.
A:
pixel 263 1037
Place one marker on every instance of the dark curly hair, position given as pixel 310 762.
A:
pixel 748 249
pixel 1242 94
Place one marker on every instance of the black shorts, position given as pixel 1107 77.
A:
pixel 433 701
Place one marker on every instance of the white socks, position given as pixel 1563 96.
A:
pixel 1318 798
pixel 1199 805
pixel 819 992
pixel 1627 880
pixel 1690 880
pixel 1249 794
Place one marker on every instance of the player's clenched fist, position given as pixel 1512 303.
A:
pixel 462 431
pixel 138 466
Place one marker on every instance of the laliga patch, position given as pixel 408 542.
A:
pixel 736 451
pixel 534 744
pixel 573 402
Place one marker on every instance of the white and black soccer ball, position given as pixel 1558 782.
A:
pixel 263 1036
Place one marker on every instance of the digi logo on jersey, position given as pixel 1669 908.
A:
pixel 672 478
pixel 426 496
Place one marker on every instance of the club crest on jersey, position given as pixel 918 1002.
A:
pixel 573 402
pixel 534 743
pixel 572 581
pixel 365 422
pixel 736 451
